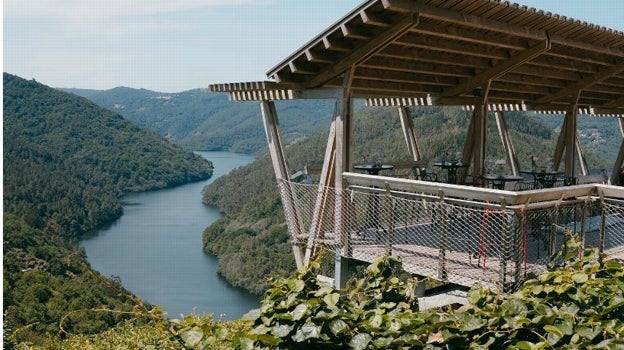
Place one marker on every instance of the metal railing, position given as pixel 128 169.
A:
pixel 453 233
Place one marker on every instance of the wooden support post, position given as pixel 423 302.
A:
pixel 580 155
pixel 508 146
pixel 571 117
pixel 480 137
pixel 343 163
pixel 619 164
pixel 320 206
pixel 278 158
pixel 475 144
pixel 410 135
pixel 469 143
pixel 558 153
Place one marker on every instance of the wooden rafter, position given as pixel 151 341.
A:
pixel 498 70
pixel 615 103
pixel 363 52
pixel 583 83
pixel 473 21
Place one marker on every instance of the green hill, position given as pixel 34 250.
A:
pixel 199 119
pixel 66 163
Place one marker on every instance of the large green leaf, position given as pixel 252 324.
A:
pixel 360 341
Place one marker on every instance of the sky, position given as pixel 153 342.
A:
pixel 178 45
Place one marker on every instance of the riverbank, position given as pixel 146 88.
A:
pixel 155 249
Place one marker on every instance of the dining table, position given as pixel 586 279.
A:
pixel 543 178
pixel 498 181
pixel 451 168
pixel 373 168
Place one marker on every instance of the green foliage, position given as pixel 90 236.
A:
pixel 303 313
pixel 66 163
pixel 575 306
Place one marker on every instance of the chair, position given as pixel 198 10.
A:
pixel 427 174
pixel 524 186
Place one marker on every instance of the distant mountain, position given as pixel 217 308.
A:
pixel 66 163
pixel 199 119
pixel 598 135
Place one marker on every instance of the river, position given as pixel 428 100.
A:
pixel 156 249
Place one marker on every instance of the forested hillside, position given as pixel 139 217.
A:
pixel 251 242
pixel 66 163
pixel 598 135
pixel 202 120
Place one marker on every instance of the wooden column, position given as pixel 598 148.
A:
pixel 280 167
pixel 619 160
pixel 474 146
pixel 580 155
pixel 571 120
pixel 322 199
pixel 508 146
pixel 480 137
pixel 570 143
pixel 410 135
pixel 561 146
pixel 343 163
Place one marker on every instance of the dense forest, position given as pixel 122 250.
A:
pixel 254 229
pixel 202 120
pixel 66 164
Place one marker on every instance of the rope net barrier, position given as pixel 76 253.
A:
pixel 463 243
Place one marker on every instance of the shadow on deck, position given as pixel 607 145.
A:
pixel 452 233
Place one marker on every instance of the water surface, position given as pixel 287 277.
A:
pixel 156 249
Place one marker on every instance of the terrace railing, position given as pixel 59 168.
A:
pixel 453 233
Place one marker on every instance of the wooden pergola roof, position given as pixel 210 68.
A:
pixel 446 52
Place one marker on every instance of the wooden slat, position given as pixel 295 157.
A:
pixel 579 85
pixel 363 51
pixel 499 69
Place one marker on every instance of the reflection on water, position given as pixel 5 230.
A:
pixel 156 249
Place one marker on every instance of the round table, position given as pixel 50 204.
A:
pixel 373 168
pixel 451 169
pixel 498 181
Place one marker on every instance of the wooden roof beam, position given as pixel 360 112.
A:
pixel 397 51
pixel 406 77
pixel 337 45
pixel 352 33
pixel 499 69
pixel 393 87
pixel 428 42
pixel 364 51
pixel 402 65
pixel 451 16
pixel 461 18
pixel 319 57
pixel 470 35
pixel 298 68
pixel 371 19
pixel 583 83
pixel 615 103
